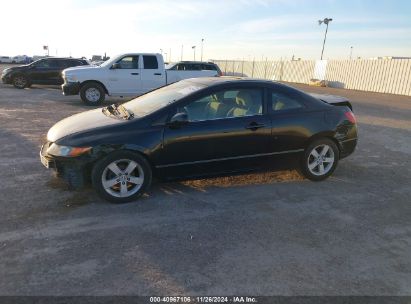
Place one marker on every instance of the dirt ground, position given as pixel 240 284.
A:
pixel 271 233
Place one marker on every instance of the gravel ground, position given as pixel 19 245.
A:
pixel 271 233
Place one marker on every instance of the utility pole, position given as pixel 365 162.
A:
pixel 194 49
pixel 325 21
pixel 202 42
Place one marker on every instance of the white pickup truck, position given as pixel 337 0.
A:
pixel 130 74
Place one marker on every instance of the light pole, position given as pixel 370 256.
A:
pixel 194 49
pixel 351 52
pixel 202 42
pixel 325 21
pixel 165 55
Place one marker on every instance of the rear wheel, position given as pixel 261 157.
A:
pixel 122 176
pixel 20 81
pixel 320 159
pixel 92 94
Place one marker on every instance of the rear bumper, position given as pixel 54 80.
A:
pixel 347 147
pixel 70 88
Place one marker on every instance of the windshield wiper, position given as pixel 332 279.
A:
pixel 126 114
pixel 119 111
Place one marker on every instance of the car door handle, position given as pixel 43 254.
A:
pixel 134 73
pixel 159 74
pixel 254 126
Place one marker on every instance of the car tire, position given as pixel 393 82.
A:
pixel 20 81
pixel 121 176
pixel 320 159
pixel 92 94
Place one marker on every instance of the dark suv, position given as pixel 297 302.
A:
pixel 43 71
pixel 195 66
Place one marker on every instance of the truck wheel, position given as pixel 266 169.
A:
pixel 20 81
pixel 92 94
pixel 122 176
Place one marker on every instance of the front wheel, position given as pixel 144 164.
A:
pixel 20 82
pixel 121 176
pixel 92 94
pixel 320 159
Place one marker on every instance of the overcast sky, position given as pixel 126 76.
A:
pixel 231 29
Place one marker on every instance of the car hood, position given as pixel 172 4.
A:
pixel 81 68
pixel 16 68
pixel 80 122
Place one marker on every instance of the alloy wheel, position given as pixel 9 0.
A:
pixel 20 81
pixel 122 178
pixel 321 160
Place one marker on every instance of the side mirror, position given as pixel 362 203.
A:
pixel 178 120
pixel 116 66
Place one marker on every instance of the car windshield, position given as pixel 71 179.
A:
pixel 162 97
pixel 110 61
pixel 170 66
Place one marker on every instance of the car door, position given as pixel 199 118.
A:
pixel 125 78
pixel 152 75
pixel 291 120
pixel 44 71
pixel 224 127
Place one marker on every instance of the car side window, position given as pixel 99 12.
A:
pixel 281 102
pixel 150 62
pixel 128 62
pixel 196 67
pixel 55 64
pixel 69 63
pixel 73 63
pixel 181 67
pixel 209 67
pixel 225 104
pixel 42 64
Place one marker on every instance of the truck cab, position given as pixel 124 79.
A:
pixel 130 74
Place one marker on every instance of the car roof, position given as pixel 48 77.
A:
pixel 203 62
pixel 62 58
pixel 209 81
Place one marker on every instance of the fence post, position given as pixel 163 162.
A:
pixel 225 68
pixel 265 69
pixel 252 72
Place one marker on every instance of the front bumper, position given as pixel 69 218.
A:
pixel 72 170
pixel 70 88
pixel 6 79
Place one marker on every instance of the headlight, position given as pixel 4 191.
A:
pixel 71 78
pixel 67 151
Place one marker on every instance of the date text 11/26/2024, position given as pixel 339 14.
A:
pixel 233 299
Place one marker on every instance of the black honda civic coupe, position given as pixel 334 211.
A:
pixel 199 127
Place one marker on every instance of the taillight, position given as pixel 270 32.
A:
pixel 351 117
